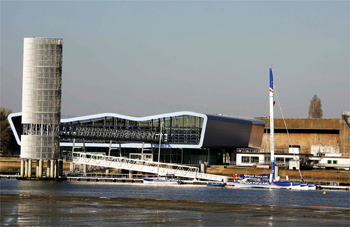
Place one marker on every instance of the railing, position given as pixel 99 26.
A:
pixel 174 135
pixel 143 166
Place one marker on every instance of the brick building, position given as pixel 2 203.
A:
pixel 309 132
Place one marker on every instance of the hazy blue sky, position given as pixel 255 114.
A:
pixel 143 58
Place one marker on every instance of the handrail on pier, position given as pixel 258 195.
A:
pixel 143 166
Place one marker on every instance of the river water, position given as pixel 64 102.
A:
pixel 273 197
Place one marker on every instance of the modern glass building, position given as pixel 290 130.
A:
pixel 187 137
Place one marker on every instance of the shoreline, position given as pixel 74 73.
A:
pixel 11 166
pixel 34 209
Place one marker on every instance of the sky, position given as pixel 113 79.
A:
pixel 142 58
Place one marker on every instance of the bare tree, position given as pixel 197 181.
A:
pixel 315 108
pixel 6 134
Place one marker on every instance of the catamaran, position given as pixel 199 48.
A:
pixel 257 181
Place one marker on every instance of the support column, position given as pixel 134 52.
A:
pixel 130 174
pixel 84 168
pixel 120 149
pixel 182 155
pixel 55 169
pixel 52 164
pixel 107 172
pixel 29 168
pixel 110 148
pixel 40 174
pixel 37 169
pixel 71 167
pixel 26 168
pixel 208 156
pixel 276 172
pixel 60 167
pixel 48 169
pixel 22 168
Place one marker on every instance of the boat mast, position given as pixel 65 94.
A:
pixel 272 139
pixel 160 139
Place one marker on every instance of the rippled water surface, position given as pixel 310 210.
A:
pixel 276 197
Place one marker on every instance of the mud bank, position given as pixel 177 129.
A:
pixel 46 210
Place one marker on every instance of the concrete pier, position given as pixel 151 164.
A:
pixel 40 174
pixel 55 169
pixel 48 169
pixel 37 170
pixel 22 168
pixel 26 168
pixel 30 168
pixel 52 168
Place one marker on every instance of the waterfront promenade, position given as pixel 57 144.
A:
pixel 48 210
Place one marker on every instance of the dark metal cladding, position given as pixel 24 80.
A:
pixel 230 132
pixel 17 121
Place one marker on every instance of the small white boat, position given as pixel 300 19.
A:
pixel 216 184
pixel 160 181
pixel 258 183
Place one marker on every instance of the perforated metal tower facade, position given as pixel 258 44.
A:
pixel 41 100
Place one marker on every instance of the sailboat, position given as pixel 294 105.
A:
pixel 160 180
pixel 257 180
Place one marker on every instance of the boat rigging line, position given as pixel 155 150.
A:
pixel 284 121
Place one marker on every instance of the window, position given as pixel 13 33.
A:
pixel 279 160
pixel 329 161
pixel 255 160
pixel 335 161
pixel 245 159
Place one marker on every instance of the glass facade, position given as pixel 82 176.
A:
pixel 41 97
pixel 183 129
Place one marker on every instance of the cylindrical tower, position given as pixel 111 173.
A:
pixel 41 100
